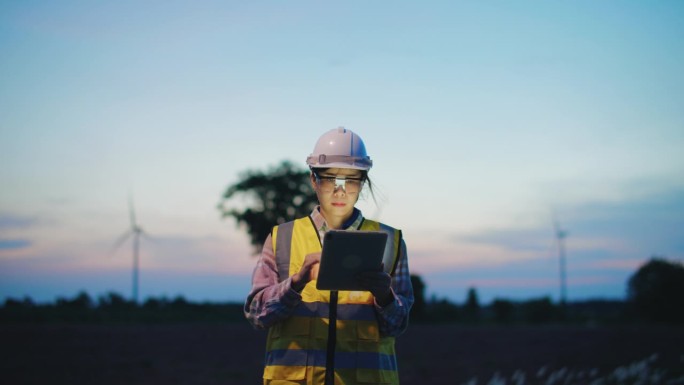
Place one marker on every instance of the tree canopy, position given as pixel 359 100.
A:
pixel 277 195
pixel 655 291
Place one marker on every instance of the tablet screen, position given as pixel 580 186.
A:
pixel 347 253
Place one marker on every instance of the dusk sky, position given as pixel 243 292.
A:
pixel 486 121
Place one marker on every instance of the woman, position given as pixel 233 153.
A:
pixel 330 337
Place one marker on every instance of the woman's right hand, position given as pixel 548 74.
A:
pixel 307 272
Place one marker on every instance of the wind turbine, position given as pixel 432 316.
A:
pixel 560 237
pixel 136 232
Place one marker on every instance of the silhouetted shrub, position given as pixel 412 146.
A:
pixel 418 309
pixel 656 291
pixel 471 309
pixel 503 311
pixel 442 311
pixel 82 301
pixel 15 304
pixel 539 311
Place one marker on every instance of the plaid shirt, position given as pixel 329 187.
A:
pixel 270 301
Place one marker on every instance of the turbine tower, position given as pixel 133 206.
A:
pixel 560 237
pixel 136 232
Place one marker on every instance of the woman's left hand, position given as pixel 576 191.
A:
pixel 378 283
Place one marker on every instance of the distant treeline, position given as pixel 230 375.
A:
pixel 114 308
pixel 532 311
pixel 654 294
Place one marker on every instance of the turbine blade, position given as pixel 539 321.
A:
pixel 131 211
pixel 147 236
pixel 121 241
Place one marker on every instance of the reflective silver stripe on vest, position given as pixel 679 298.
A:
pixel 391 256
pixel 343 360
pixel 282 252
pixel 345 312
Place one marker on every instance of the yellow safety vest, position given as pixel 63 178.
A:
pixel 297 347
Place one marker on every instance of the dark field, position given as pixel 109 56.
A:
pixel 428 354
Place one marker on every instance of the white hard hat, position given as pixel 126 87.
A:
pixel 340 148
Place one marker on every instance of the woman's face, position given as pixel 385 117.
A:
pixel 337 203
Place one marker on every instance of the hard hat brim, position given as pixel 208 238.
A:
pixel 339 161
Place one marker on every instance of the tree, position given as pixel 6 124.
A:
pixel 418 308
pixel 280 194
pixel 472 306
pixel 655 291
pixel 113 300
pixel 81 301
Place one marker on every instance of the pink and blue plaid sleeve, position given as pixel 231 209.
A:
pixel 269 300
pixel 393 318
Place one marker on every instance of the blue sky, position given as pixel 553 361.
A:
pixel 485 120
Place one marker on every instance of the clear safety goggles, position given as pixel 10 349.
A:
pixel 332 183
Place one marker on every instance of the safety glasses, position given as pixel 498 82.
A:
pixel 331 183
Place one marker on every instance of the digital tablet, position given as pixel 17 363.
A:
pixel 347 253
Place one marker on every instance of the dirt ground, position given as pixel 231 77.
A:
pixel 233 353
